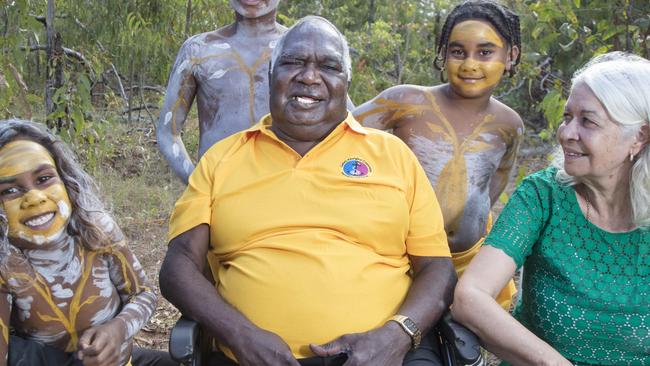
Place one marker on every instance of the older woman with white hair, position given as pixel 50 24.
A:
pixel 580 229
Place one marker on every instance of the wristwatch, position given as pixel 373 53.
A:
pixel 410 328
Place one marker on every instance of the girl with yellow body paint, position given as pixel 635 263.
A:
pixel 69 286
pixel 464 138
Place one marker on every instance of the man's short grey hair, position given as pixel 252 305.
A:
pixel 347 62
pixel 621 82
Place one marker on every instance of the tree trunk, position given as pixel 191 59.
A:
pixel 188 18
pixel 54 68
pixel 130 98
pixel 49 31
pixel 628 34
pixel 58 58
pixel 372 12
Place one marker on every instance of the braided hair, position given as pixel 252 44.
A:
pixel 502 19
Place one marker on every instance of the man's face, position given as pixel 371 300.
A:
pixel 308 82
pixel 254 8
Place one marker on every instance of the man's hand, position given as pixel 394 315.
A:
pixel 261 347
pixel 100 345
pixel 386 345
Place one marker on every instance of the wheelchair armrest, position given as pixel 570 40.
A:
pixel 461 343
pixel 184 341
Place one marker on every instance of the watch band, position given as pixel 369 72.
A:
pixel 409 328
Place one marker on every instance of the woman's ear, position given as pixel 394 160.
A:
pixel 642 139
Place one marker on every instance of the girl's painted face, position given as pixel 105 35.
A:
pixel 476 58
pixel 32 194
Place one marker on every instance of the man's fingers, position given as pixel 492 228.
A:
pixel 330 349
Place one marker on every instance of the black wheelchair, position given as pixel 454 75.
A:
pixel 458 345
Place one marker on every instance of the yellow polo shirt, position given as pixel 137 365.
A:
pixel 313 247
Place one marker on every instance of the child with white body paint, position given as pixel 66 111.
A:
pixel 70 288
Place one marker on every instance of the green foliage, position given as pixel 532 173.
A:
pixel 393 43
pixel 559 36
pixel 15 22
pixel 553 108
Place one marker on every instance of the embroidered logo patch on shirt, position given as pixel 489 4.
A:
pixel 356 168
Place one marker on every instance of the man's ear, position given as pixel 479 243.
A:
pixel 512 56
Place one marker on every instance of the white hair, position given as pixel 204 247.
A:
pixel 347 61
pixel 621 82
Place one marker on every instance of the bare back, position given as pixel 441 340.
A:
pixel 467 156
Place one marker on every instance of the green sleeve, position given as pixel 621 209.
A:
pixel 524 218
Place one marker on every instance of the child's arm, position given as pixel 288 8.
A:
pixel 501 177
pixel 106 344
pixel 5 312
pixel 137 295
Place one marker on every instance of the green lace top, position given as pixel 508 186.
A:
pixel 585 291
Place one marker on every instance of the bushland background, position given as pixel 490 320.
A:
pixel 96 72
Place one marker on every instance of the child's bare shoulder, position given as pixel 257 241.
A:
pixel 406 93
pixel 506 115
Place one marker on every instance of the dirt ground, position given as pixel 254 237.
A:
pixel 141 190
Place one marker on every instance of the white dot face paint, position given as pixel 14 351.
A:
pixel 36 202
pixel 64 209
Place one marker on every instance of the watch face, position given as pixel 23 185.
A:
pixel 410 324
pixel 409 328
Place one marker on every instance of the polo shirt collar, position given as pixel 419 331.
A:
pixel 264 125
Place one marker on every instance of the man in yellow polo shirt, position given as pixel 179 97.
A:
pixel 325 238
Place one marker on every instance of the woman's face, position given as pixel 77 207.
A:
pixel 594 145
pixel 32 194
